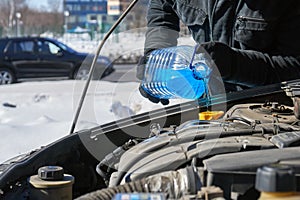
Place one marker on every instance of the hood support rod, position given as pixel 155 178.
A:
pixel 79 107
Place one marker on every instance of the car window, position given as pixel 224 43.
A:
pixel 47 47
pixel 43 48
pixel 24 47
pixel 2 45
pixel 53 48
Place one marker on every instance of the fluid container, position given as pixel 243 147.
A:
pixel 51 183
pixel 176 72
pixel 276 182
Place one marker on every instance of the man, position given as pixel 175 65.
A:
pixel 251 42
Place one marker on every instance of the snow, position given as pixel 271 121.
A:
pixel 34 114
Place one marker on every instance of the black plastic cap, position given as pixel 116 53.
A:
pixel 51 173
pixel 275 178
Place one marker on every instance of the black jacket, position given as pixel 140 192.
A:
pixel 263 35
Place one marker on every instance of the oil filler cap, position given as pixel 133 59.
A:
pixel 275 178
pixel 51 173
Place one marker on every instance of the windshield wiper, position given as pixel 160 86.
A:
pixel 114 26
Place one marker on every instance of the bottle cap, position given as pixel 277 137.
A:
pixel 275 178
pixel 54 173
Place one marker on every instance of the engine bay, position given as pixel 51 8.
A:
pixel 223 153
pixel 197 159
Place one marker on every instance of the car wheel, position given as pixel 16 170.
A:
pixel 82 74
pixel 6 76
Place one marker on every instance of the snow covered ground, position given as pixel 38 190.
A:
pixel 37 113
pixel 33 114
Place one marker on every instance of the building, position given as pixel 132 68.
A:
pixel 116 7
pixel 92 15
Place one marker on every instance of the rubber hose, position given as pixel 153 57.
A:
pixel 109 193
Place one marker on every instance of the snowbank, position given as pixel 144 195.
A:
pixel 33 114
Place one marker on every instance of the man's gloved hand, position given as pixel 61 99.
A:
pixel 222 55
pixel 222 59
pixel 140 70
pixel 140 75
pixel 152 98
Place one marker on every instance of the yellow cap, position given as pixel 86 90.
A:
pixel 279 196
pixel 210 115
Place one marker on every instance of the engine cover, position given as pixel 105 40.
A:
pixel 262 113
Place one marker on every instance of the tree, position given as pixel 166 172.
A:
pixel 33 22
pixel 8 9
pixel 54 5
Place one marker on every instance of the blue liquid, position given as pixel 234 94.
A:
pixel 170 74
pixel 139 196
pixel 175 84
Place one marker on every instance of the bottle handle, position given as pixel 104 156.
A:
pixel 193 57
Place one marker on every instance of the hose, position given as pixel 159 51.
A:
pixel 107 165
pixel 174 184
pixel 109 193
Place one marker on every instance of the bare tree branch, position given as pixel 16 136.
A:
pixel 54 5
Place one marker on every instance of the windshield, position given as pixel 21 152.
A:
pixel 39 109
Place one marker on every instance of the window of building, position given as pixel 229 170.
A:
pixel 71 19
pixel 69 7
pixel 100 8
pixel 114 7
pixel 73 7
pixel 93 17
pixel 82 18
pixel 83 8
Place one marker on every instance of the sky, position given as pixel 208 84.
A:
pixel 39 3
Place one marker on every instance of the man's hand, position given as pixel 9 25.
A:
pixel 140 70
pixel 152 98
pixel 140 75
pixel 222 55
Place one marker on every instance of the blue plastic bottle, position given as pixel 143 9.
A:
pixel 176 72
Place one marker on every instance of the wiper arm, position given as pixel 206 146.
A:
pixel 86 86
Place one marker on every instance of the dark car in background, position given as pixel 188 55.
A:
pixel 37 57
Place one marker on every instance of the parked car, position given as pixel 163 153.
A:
pixel 37 57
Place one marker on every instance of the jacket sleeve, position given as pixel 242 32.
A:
pixel 280 63
pixel 252 68
pixel 162 25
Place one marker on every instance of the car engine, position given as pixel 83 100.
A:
pixel 202 158
pixel 251 151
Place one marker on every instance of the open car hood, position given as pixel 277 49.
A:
pixel 80 153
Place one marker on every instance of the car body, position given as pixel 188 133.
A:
pixel 118 157
pixel 38 57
